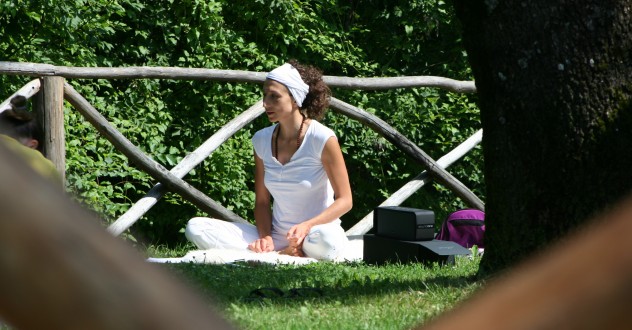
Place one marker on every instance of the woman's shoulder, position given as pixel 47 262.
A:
pixel 322 130
pixel 261 140
pixel 321 135
pixel 264 132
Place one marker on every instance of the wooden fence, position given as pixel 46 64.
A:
pixel 49 89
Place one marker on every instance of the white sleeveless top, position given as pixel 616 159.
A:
pixel 300 188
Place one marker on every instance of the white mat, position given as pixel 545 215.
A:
pixel 353 252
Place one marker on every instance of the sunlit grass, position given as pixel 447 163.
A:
pixel 354 295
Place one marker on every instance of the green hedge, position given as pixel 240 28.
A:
pixel 168 119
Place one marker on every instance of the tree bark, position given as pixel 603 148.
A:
pixel 553 78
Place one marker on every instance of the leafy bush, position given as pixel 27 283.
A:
pixel 168 119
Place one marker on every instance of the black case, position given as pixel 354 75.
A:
pixel 404 223
pixel 380 250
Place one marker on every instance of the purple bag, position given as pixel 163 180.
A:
pixel 466 227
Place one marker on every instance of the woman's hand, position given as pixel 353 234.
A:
pixel 264 244
pixel 297 233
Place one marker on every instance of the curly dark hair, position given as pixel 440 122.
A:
pixel 317 100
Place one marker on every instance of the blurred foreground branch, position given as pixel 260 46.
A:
pixel 60 269
pixel 584 282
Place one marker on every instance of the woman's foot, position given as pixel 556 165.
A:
pixel 293 251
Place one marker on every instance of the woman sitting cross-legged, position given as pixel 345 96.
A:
pixel 299 170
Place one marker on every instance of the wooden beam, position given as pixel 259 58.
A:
pixel 49 109
pixel 400 141
pixel 380 83
pixel 28 90
pixel 363 226
pixel 145 163
pixel 60 269
pixel 185 166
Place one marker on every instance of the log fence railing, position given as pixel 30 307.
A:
pixel 50 89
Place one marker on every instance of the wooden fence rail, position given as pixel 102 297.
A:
pixel 27 91
pixel 185 166
pixel 146 163
pixel 365 224
pixel 410 149
pixel 42 70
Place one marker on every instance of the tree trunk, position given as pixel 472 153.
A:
pixel 555 93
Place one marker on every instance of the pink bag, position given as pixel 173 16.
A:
pixel 466 227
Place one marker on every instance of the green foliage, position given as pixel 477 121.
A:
pixel 168 119
pixel 409 37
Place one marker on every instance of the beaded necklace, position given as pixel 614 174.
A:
pixel 298 139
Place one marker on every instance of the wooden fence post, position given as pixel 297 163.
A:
pixel 49 108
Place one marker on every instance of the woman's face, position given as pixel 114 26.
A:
pixel 277 100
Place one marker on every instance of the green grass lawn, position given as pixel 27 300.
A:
pixel 354 295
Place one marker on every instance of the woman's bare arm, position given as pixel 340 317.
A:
pixel 263 213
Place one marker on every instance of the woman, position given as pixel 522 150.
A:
pixel 299 165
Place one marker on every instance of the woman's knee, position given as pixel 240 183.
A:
pixel 197 221
pixel 325 242
pixel 195 226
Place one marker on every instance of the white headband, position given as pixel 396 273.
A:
pixel 289 76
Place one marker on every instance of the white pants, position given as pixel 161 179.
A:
pixel 324 242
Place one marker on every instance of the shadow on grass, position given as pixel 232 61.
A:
pixel 238 283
